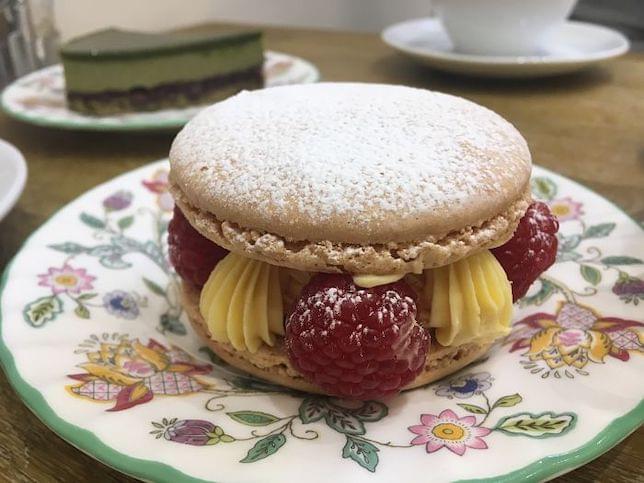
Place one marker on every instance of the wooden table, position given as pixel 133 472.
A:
pixel 589 127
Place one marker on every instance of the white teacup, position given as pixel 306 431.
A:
pixel 501 27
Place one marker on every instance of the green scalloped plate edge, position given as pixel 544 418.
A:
pixel 85 441
pixel 146 125
pixel 168 124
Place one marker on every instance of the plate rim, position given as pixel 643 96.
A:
pixel 130 126
pixel 16 189
pixel 505 61
pixel 87 442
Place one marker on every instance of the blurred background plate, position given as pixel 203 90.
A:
pixel 39 98
pixel 578 45
pixel 13 175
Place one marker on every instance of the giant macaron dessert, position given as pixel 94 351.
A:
pixel 353 239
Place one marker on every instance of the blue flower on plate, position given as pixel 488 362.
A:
pixel 121 304
pixel 465 386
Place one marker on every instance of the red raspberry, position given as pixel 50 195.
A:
pixel 192 254
pixel 353 342
pixel 532 249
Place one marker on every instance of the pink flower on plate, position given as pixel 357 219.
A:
pixel 571 337
pixel 159 184
pixel 566 209
pixel 66 279
pixel 575 336
pixel 449 431
pixel 137 368
pixel 131 373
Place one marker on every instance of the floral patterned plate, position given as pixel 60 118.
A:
pixel 39 98
pixel 94 340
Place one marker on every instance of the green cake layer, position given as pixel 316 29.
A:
pixel 116 43
pixel 112 65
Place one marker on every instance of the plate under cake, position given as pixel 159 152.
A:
pixel 536 421
pixel 114 71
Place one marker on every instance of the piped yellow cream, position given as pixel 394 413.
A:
pixel 471 300
pixel 242 303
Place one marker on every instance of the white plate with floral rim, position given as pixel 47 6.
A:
pixel 39 98
pixel 94 340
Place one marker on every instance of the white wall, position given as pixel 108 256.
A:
pixel 75 17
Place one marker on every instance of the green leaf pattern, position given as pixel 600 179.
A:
pixel 543 188
pixel 92 221
pixel 312 409
pixel 82 311
pixel 126 222
pixel 590 274
pixel 42 310
pixel 264 448
pixel 542 425
pixel 169 322
pixel 371 411
pixel 599 231
pixel 253 418
pixel 343 421
pixel 70 248
pixel 473 408
pixel 362 452
pixel 508 401
pixel 621 261
pixel 154 287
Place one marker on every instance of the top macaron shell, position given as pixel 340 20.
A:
pixel 350 163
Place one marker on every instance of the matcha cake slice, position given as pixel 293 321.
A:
pixel 114 71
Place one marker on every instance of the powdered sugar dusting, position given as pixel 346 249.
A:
pixel 318 153
pixel 347 311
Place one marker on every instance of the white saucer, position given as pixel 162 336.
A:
pixel 13 175
pixel 576 46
